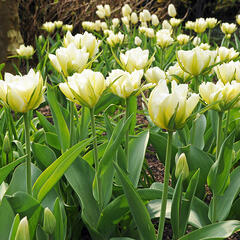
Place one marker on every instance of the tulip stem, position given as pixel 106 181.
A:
pixel 219 130
pixel 127 133
pixel 95 157
pixel 28 152
pixel 165 186
pixel 227 123
pixel 209 35
pixel 71 122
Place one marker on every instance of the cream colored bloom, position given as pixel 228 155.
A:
pixel 189 25
pixel 177 70
pixel 238 19
pixel 115 39
pixel 104 26
pixel 172 10
pixel 200 25
pixel 107 10
pixel 126 10
pixel 58 24
pixel 149 32
pixel 228 28
pixel 67 27
pixel 124 84
pixel 137 41
pixel 162 105
pixel 220 94
pixel 103 11
pixel 195 61
pixel 226 71
pixel 134 59
pixel 22 93
pixel 69 60
pixel 164 38
pixel 134 18
pixel 196 41
pixel 226 54
pixel 211 22
pixel 183 39
pixel 25 51
pixel 155 20
pixel 182 166
pixel 166 25
pixel 204 46
pixel 97 26
pixel 84 88
pixel 89 26
pixel 115 22
pixel 175 22
pixel 154 75
pixel 125 20
pixel 145 16
pixel 49 27
pixel 237 73
pixel 23 230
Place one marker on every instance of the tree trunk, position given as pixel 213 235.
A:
pixel 10 36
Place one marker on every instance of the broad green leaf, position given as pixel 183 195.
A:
pixel 83 123
pixel 132 107
pixel 59 121
pixel 14 228
pixel 137 149
pixel 80 176
pixel 47 126
pixel 6 218
pixel 187 205
pixel 4 171
pixel 137 207
pixel 106 169
pixel 53 140
pixel 25 205
pixel 176 208
pixel 54 172
pixel 220 230
pixel 224 202
pixel 61 223
pixel 40 234
pixel 218 177
pixel 122 238
pixel 43 154
pixel 198 159
pixel 197 132
pixel 159 142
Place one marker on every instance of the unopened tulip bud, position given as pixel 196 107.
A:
pixel 58 24
pixel 49 221
pixel 67 27
pixel 166 25
pixel 182 167
pixel 172 10
pixel 196 41
pixel 155 20
pixel 126 10
pixel 23 230
pixel 6 144
pixel 238 19
pixel 137 41
pixel 115 22
pixel 134 18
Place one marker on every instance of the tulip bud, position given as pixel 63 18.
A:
pixel 104 26
pixel 200 25
pixel 115 22
pixel 204 46
pixel 67 27
pixel 126 10
pixel 49 27
pixel 115 39
pixel 172 10
pixel 23 230
pixel 6 144
pixel 134 18
pixel 49 221
pixel 100 11
pixel 147 15
pixel 182 167
pixel 196 41
pixel 125 21
pixel 58 24
pixel 228 28
pixel 189 25
pixel 226 71
pixel 154 75
pixel 155 20
pixel 211 22
pixel 166 25
pixel 175 22
pixel 107 10
pixel 183 39
pixel 164 38
pixel 137 41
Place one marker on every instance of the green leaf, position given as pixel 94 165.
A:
pixel 14 228
pixel 26 205
pixel 176 208
pixel 53 140
pixel 4 171
pixel 197 132
pixel 137 149
pixel 187 205
pixel 80 176
pixel 224 202
pixel 122 238
pixel 54 172
pixel 106 169
pixel 220 230
pixel 132 107
pixel 43 154
pixel 40 234
pixel 61 223
pixel 137 207
pixel 47 126
pixel 59 121
pixel 198 159
pixel 6 218
pixel 218 177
